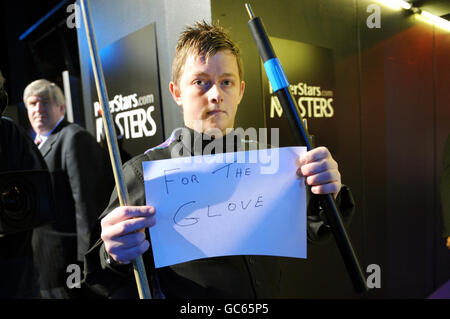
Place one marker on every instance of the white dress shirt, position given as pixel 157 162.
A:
pixel 44 137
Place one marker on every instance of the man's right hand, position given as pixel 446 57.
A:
pixel 123 232
pixel 448 242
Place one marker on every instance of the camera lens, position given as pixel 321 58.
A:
pixel 15 200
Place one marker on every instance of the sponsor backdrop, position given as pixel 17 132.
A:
pixel 132 80
pixel 310 72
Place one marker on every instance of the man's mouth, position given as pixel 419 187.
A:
pixel 215 112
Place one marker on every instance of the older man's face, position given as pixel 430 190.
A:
pixel 43 113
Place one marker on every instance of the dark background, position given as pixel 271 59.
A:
pixel 45 52
pixel 391 107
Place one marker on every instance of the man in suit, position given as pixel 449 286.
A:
pixel 82 180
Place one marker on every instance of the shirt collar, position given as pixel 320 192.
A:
pixel 45 136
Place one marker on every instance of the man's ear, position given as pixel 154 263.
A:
pixel 63 109
pixel 176 93
pixel 241 94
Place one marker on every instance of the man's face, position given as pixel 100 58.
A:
pixel 209 92
pixel 43 113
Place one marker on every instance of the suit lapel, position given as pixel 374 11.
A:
pixel 47 147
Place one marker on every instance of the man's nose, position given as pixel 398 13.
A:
pixel 38 106
pixel 215 94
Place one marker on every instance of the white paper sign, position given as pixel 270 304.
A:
pixel 227 204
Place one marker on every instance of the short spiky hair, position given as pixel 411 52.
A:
pixel 203 39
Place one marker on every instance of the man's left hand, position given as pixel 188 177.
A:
pixel 320 171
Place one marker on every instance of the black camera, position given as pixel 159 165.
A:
pixel 26 200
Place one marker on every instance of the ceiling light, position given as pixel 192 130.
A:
pixel 438 21
pixel 396 4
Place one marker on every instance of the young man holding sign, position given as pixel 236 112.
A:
pixel 207 83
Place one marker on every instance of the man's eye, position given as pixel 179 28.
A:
pixel 199 82
pixel 227 82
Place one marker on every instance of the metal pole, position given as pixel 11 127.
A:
pixel 280 85
pixel 68 95
pixel 110 132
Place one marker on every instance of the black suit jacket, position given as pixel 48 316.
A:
pixel 82 180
